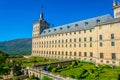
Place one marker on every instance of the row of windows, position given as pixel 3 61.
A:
pixel 70 45
pixel 113 55
pixel 62 34
pixel 64 53
pixel 66 45
pixel 85 54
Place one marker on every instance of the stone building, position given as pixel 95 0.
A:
pixel 96 39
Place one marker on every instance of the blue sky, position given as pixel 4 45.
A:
pixel 18 16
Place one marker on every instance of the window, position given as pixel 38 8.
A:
pixel 112 36
pixel 113 56
pixel 100 37
pixel 68 27
pixel 84 31
pixel 91 54
pixel 66 53
pixel 66 40
pixel 76 25
pixel 90 44
pixel 84 39
pixel 74 45
pixel 74 53
pixel 79 39
pixel 112 43
pixel 54 29
pixel 80 54
pixel 74 32
pixel 85 53
pixel 101 44
pixel 90 30
pixel 84 45
pixel 62 41
pixel 61 28
pixel 98 21
pixel 90 39
pixel 70 40
pixel 74 40
pixel 86 23
pixel 49 30
pixel 79 45
pixel 79 32
pixel 101 55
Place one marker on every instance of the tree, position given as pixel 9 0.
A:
pixel 46 78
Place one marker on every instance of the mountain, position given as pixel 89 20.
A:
pixel 17 46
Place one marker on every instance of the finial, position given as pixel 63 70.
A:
pixel 41 13
pixel 114 3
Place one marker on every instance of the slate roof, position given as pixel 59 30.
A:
pixel 84 24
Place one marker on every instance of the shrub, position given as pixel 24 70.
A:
pixel 79 64
pixel 73 63
pixel 16 78
pixel 49 68
pixel 71 66
pixel 68 67
pixel 77 76
pixel 54 70
pixel 107 66
pixel 72 76
pixel 33 78
pixel 46 78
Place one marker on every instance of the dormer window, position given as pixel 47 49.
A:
pixel 68 26
pixel 54 29
pixel 49 30
pixel 86 23
pixel 76 25
pixel 61 28
pixel 98 21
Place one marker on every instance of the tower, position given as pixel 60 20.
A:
pixel 116 9
pixel 39 25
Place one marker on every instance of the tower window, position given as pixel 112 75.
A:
pixel 112 43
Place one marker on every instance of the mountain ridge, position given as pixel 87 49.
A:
pixel 20 46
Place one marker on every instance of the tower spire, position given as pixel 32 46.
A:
pixel 114 3
pixel 41 13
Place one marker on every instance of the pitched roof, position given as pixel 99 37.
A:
pixel 84 24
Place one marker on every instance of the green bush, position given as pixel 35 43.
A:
pixel 16 78
pixel 54 70
pixel 33 78
pixel 107 66
pixel 49 68
pixel 46 78
pixel 72 76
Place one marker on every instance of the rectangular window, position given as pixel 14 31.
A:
pixel 74 45
pixel 74 40
pixel 74 53
pixel 113 56
pixel 112 36
pixel 100 37
pixel 90 39
pixel 91 54
pixel 112 43
pixel 84 31
pixel 90 44
pixel 85 53
pixel 101 44
pixel 101 55
pixel 70 40
pixel 84 39
pixel 80 54
pixel 79 39
pixel 79 45
pixel 84 45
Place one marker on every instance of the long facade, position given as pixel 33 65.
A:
pixel 96 39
